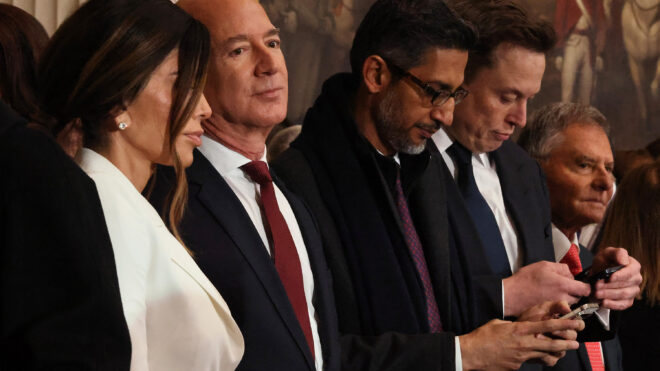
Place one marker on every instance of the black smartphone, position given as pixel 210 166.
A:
pixel 585 275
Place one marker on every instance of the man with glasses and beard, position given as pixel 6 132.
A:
pixel 361 164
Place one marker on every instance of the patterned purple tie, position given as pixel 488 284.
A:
pixel 417 253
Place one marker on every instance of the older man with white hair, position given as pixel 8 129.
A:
pixel 571 143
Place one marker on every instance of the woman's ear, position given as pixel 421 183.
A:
pixel 376 74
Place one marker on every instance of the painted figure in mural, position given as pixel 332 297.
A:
pixel 317 35
pixel 347 14
pixel 640 21
pixel 306 27
pixel 581 26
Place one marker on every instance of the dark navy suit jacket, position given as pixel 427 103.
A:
pixel 228 249
pixel 579 360
pixel 527 201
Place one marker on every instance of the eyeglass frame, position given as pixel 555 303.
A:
pixel 429 90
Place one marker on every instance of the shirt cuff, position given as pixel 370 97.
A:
pixel 459 358
pixel 603 315
pixel 502 299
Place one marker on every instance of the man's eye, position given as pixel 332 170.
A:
pixel 585 167
pixel 507 98
pixel 442 94
pixel 274 44
pixel 236 52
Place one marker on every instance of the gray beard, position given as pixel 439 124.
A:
pixel 388 124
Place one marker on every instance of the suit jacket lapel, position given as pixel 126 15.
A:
pixel 584 357
pixel 512 174
pixel 216 195
pixel 181 258
pixel 314 246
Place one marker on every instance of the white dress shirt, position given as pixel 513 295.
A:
pixel 488 182
pixel 176 318
pixel 228 163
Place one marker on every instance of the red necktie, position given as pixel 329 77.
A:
pixel 572 259
pixel 285 254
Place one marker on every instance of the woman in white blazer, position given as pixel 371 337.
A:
pixel 132 73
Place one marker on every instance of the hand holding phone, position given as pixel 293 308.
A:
pixel 582 311
pixel 587 277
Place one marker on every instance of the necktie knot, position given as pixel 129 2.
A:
pixel 460 154
pixel 572 259
pixel 258 172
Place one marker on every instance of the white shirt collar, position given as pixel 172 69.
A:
pixel 561 243
pixel 443 142
pixel 223 158
pixel 395 156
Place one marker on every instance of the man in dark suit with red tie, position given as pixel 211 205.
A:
pixel 254 240
pixel 504 72
pixel 502 219
pixel 571 143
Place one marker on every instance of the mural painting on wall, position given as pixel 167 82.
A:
pixel 607 54
pixel 316 38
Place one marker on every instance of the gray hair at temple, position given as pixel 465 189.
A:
pixel 544 127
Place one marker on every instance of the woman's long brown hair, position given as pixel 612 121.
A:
pixel 102 56
pixel 633 222
pixel 22 41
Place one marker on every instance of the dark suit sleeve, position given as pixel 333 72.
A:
pixel 398 352
pixel 60 303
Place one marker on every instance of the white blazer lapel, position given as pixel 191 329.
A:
pixel 181 258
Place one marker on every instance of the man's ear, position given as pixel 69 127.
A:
pixel 376 74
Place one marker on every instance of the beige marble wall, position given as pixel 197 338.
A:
pixel 49 12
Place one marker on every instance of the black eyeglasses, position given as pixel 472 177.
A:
pixel 438 97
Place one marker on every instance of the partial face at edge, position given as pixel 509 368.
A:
pixel 498 98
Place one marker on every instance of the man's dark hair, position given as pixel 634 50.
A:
pixel 402 31
pixel 501 21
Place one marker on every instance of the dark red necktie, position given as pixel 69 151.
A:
pixel 572 259
pixel 417 253
pixel 285 254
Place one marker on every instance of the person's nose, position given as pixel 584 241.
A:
pixel 603 179
pixel 518 114
pixel 444 114
pixel 267 60
pixel 203 110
